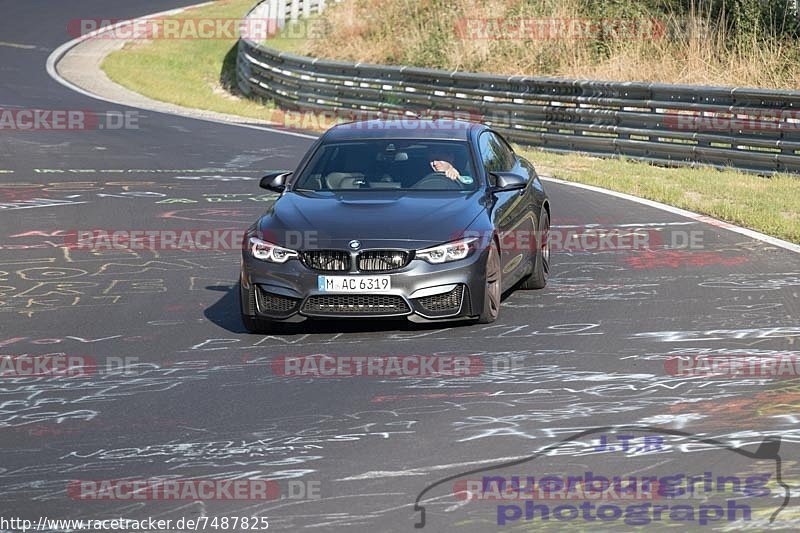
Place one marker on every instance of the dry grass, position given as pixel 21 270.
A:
pixel 692 50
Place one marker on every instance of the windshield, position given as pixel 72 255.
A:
pixel 390 164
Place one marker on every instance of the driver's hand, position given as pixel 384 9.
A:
pixel 448 169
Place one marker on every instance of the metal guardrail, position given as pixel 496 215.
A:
pixel 755 130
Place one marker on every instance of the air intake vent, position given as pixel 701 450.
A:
pixel 275 304
pixel 438 303
pixel 356 304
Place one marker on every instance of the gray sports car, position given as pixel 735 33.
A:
pixel 430 220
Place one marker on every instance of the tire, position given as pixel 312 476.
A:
pixel 541 263
pixel 492 292
pixel 248 308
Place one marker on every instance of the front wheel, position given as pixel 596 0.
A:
pixel 492 293
pixel 541 263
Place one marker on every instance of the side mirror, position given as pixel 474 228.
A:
pixel 508 181
pixel 275 181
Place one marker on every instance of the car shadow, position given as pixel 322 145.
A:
pixel 225 311
pixel 226 314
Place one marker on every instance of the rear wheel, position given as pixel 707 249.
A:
pixel 492 293
pixel 541 263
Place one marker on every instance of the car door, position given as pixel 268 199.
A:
pixel 511 212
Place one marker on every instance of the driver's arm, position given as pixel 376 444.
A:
pixel 448 169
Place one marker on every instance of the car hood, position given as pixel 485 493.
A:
pixel 403 219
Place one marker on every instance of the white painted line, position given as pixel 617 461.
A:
pixel 786 245
pixel 59 52
pixel 421 471
pixel 628 225
pixel 18 45
pixel 18 205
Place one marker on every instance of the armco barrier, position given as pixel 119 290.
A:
pixel 754 130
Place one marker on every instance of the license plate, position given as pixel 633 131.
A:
pixel 354 283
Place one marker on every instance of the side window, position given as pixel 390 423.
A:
pixel 504 153
pixel 495 153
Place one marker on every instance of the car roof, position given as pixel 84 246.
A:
pixel 404 128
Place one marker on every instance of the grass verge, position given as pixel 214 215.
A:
pixel 196 73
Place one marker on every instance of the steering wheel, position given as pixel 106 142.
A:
pixel 437 181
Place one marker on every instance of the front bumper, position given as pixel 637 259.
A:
pixel 419 291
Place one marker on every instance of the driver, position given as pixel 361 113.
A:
pixel 442 160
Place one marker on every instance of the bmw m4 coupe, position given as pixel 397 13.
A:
pixel 431 220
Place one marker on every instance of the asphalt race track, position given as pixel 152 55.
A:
pixel 192 396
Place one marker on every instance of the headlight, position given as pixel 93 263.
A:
pixel 266 251
pixel 452 251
